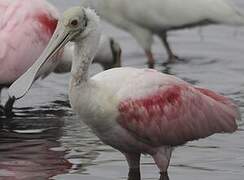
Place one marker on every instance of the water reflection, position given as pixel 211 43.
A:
pixel 166 69
pixel 164 176
pixel 136 175
pixel 30 147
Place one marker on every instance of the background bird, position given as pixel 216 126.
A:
pixel 143 18
pixel 26 27
pixel 133 110
pixel 108 55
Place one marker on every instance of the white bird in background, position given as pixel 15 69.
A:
pixel 145 18
pixel 133 110
pixel 108 55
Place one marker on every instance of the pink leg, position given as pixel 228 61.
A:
pixel 162 158
pixel 150 58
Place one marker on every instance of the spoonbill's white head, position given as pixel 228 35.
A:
pixel 75 25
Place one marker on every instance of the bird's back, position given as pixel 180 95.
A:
pixel 169 14
pixel 116 78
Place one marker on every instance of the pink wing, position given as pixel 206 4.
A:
pixel 3 6
pixel 25 29
pixel 177 113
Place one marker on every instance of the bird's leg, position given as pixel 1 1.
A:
pixel 116 53
pixel 134 174
pixel 9 107
pixel 0 93
pixel 1 110
pixel 133 161
pixel 1 107
pixel 171 57
pixel 164 176
pixel 162 159
pixel 150 58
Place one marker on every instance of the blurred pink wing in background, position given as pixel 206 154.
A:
pixel 25 30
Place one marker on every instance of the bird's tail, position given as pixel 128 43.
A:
pixel 227 13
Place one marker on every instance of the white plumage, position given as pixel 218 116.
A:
pixel 145 18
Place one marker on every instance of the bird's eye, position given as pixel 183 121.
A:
pixel 74 23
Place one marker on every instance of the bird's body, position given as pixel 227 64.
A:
pixel 143 18
pixel 133 110
pixel 148 111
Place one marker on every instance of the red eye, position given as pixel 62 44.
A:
pixel 74 22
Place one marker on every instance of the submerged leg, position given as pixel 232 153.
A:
pixel 1 107
pixel 162 159
pixel 133 161
pixel 134 174
pixel 9 107
pixel 171 57
pixel 150 58
pixel 0 93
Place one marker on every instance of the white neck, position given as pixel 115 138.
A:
pixel 85 48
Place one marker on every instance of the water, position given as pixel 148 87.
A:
pixel 47 141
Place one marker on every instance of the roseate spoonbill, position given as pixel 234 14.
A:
pixel 108 55
pixel 133 110
pixel 26 26
pixel 143 18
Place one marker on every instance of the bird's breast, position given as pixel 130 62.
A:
pixel 95 106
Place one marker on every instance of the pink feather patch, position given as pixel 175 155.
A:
pixel 49 23
pixel 176 114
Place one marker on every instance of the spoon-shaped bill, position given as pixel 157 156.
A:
pixel 20 87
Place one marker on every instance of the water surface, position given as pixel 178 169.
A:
pixel 46 140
